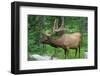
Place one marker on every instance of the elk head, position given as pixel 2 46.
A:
pixel 46 39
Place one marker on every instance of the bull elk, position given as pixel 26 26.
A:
pixel 65 41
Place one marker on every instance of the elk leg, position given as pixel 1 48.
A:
pixel 65 53
pixel 76 52
pixel 55 52
pixel 54 55
pixel 65 50
pixel 79 51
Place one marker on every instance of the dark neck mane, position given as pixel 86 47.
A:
pixel 55 43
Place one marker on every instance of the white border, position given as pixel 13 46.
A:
pixel 26 65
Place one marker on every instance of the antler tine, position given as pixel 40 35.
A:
pixel 62 25
pixel 55 26
pixel 46 33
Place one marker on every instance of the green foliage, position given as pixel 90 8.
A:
pixel 38 24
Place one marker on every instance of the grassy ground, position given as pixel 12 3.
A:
pixel 60 53
pixel 50 51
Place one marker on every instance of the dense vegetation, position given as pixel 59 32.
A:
pixel 38 24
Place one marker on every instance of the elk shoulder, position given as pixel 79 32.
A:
pixel 70 40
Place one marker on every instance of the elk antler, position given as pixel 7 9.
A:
pixel 46 33
pixel 55 27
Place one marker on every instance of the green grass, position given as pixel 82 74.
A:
pixel 50 51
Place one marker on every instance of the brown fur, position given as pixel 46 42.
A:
pixel 66 41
